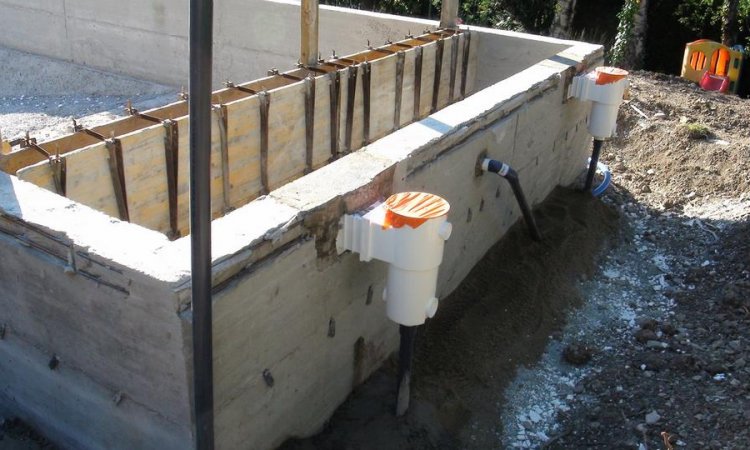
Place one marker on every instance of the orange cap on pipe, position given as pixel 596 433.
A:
pixel 607 75
pixel 413 209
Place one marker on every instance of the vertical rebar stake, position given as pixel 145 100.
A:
pixel 405 356
pixel 592 165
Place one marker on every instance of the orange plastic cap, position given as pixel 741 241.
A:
pixel 607 75
pixel 413 209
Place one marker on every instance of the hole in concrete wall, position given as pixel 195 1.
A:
pixel 368 300
pixel 481 205
pixel 331 327
pixel 268 378
pixel 468 215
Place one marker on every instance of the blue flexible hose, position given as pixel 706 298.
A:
pixel 604 170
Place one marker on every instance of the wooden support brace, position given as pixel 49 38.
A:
pixel 309 122
pixel 465 62
pixel 417 81
pixel 335 110
pixel 400 57
pixel 221 113
pixel 231 85
pixel 117 172
pixel 171 156
pixel 454 62
pixel 265 104
pixel 438 69
pixel 366 70
pixel 351 93
pixel 309 32
pixel 449 14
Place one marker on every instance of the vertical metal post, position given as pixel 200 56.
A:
pixel 201 61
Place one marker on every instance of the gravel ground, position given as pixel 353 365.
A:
pixel 665 325
pixel 42 96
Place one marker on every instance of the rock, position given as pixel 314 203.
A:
pixel 577 354
pixel 645 335
pixel 669 329
pixel 653 361
pixel 535 417
pixel 681 362
pixel 647 324
pixel 739 363
pixel 656 344
pixel 652 417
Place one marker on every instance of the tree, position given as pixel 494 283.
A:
pixel 729 23
pixel 561 25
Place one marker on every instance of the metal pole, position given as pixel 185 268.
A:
pixel 201 41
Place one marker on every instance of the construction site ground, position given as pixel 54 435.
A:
pixel 627 327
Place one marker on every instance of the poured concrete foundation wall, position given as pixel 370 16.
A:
pixel 149 38
pixel 95 313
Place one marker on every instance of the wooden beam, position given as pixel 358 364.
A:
pixel 449 14
pixel 309 32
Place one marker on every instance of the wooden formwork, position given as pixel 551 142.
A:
pixel 265 133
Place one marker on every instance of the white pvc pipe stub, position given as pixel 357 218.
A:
pixel 408 232
pixel 604 88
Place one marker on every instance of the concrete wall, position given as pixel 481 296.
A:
pixel 68 295
pixel 285 303
pixel 149 38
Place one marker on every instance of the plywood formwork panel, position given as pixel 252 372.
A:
pixel 243 132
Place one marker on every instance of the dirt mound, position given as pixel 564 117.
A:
pixel 681 143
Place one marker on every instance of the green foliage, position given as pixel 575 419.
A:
pixel 697 131
pixel 704 17
pixel 618 52
pixel 522 15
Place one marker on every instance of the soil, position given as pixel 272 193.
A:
pixel 627 327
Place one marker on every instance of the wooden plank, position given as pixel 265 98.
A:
pixel 382 96
pixel 471 76
pixel 286 135
pixel 322 128
pixel 243 130
pixel 88 178
pixel 428 75
pixel 448 13
pixel 144 164
pixel 445 72
pixel 309 32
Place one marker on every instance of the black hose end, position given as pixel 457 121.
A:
pixel 507 172
pixel 494 166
